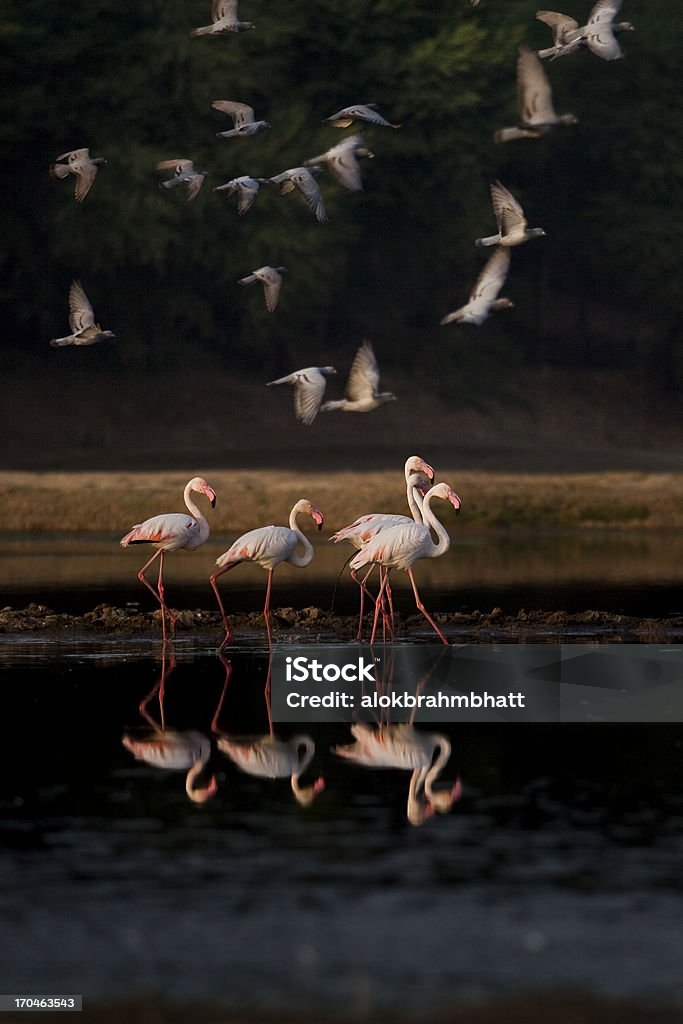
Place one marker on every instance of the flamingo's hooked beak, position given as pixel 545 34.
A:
pixel 317 516
pixel 455 501
pixel 427 469
pixel 211 495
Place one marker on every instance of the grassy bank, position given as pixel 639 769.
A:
pixel 110 502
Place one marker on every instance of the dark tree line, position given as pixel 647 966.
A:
pixel 127 80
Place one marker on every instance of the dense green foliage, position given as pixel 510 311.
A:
pixel 127 80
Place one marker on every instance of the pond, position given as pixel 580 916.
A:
pixel 552 863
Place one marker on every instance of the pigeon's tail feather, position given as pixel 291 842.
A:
pixel 61 342
pixel 59 170
pixel 507 134
pixel 490 240
pixel 457 316
pixel 331 406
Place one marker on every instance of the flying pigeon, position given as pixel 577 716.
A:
pixel 303 179
pixel 359 112
pixel 224 19
pixel 598 35
pixel 534 101
pixel 309 388
pixel 271 279
pixel 80 163
pixel 184 174
pixel 482 301
pixel 81 321
pixel 361 394
pixel 512 229
pixel 246 189
pixel 342 161
pixel 242 118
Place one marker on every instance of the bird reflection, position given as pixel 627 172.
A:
pixel 171 749
pixel 402 746
pixel 268 756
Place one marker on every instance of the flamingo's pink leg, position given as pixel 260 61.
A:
pixel 228 673
pixel 391 608
pixel 160 587
pixel 378 605
pixel 212 581
pixel 266 607
pixel 424 611
pixel 387 616
pixel 266 694
pixel 158 594
pixel 363 590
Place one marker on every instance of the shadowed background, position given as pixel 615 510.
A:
pixel 591 357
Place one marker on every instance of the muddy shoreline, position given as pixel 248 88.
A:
pixel 316 625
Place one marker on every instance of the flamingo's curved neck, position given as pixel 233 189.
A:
pixel 198 794
pixel 414 497
pixel 305 795
pixel 305 744
pixel 441 744
pixel 202 521
pixel 300 560
pixel 417 809
pixel 429 519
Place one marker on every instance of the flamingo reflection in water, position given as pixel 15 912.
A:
pixel 267 756
pixel 402 746
pixel 171 749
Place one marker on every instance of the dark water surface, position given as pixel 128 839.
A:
pixel 559 867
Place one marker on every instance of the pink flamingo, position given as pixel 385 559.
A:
pixel 403 747
pixel 171 531
pixel 418 476
pixel 268 546
pixel 268 756
pixel 399 547
pixel 272 758
pixel 170 749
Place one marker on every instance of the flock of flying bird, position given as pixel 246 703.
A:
pixel 536 117
pixel 391 541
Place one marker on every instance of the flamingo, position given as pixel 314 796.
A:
pixel 171 531
pixel 268 756
pixel 403 747
pixel 268 546
pixel 399 547
pixel 358 533
pixel 171 749
pixel 168 748
pixel 273 758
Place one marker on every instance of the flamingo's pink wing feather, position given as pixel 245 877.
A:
pixel 172 529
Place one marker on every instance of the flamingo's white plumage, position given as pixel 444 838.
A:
pixel 268 546
pixel 172 531
pixel 418 477
pixel 167 748
pixel 403 747
pixel 272 758
pixel 399 547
